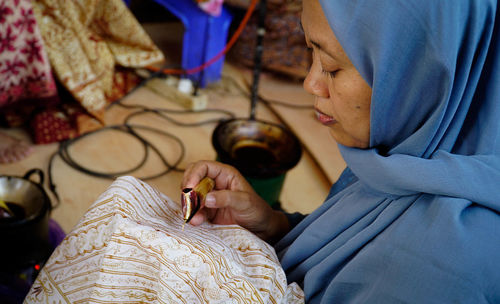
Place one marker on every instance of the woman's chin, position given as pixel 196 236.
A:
pixel 348 141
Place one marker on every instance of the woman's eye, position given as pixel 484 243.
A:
pixel 330 74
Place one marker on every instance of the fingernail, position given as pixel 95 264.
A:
pixel 210 200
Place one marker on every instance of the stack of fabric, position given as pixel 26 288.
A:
pixel 90 47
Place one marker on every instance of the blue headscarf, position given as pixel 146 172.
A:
pixel 419 219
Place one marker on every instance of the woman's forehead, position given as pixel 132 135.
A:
pixel 318 32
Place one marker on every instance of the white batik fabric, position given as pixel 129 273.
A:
pixel 130 247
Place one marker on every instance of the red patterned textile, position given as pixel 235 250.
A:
pixel 70 119
pixel 25 72
pixel 51 126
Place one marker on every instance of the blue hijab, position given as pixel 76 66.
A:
pixel 419 219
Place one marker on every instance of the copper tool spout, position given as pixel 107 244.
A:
pixel 191 198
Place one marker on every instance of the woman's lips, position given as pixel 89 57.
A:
pixel 323 118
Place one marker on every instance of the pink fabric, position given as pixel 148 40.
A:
pixel 25 72
pixel 212 7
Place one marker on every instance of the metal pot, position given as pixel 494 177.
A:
pixel 24 239
pixel 262 151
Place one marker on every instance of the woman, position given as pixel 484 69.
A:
pixel 410 91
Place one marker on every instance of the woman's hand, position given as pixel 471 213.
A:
pixel 234 201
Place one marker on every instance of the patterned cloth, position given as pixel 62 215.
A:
pixel 51 126
pixel 130 247
pixel 70 119
pixel 90 44
pixel 25 73
pixel 86 39
pixel 285 51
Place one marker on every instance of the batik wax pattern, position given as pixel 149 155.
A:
pixel 130 247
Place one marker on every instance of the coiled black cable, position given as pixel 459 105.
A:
pixel 129 128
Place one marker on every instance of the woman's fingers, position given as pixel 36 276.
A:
pixel 236 200
pixel 198 218
pixel 204 214
pixel 221 199
pixel 225 176
pixel 232 201
pixel 193 175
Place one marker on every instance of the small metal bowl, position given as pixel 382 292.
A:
pixel 25 240
pixel 257 148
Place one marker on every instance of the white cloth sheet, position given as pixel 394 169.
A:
pixel 130 248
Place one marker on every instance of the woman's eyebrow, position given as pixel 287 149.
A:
pixel 316 44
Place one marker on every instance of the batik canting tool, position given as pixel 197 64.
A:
pixel 191 198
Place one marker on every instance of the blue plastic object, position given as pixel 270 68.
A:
pixel 204 37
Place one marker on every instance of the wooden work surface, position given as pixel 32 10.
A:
pixel 305 186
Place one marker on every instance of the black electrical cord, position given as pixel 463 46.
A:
pixel 128 128
pixel 161 112
pixel 64 154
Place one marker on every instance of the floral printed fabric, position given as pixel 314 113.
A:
pixel 24 67
pixel 131 247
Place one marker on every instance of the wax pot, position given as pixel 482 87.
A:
pixel 262 151
pixel 25 233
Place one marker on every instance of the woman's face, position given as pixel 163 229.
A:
pixel 343 97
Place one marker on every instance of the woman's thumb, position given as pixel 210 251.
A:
pixel 236 200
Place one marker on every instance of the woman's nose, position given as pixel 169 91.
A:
pixel 314 83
